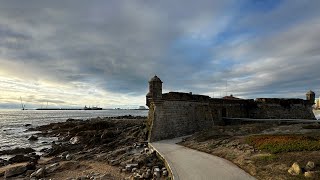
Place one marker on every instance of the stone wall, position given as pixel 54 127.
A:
pixel 282 111
pixel 179 114
pixel 171 119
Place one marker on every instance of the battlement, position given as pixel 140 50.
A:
pixel 180 96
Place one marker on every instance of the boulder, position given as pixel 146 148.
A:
pixel 15 171
pixel 310 166
pixel 295 169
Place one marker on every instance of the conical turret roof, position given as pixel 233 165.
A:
pixel 310 92
pixel 155 79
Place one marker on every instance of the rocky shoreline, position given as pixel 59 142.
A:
pixel 98 148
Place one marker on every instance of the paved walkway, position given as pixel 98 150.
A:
pixel 189 164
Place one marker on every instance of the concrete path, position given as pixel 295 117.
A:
pixel 189 164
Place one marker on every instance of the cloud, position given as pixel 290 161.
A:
pixel 106 51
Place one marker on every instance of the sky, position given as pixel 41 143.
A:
pixel 72 53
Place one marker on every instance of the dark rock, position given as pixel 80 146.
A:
pixel 31 166
pixel 15 171
pixel 27 125
pixel 44 150
pixel 69 157
pixel 19 158
pixel 33 138
pixel 28 173
pixel 3 162
pixel 17 151
pixel 34 158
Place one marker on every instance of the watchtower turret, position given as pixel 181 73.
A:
pixel 155 90
pixel 311 96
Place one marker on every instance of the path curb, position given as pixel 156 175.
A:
pixel 172 175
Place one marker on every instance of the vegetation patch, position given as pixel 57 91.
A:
pixel 284 143
pixel 266 158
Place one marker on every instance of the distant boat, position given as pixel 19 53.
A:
pixel 22 105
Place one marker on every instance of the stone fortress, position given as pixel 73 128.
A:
pixel 176 114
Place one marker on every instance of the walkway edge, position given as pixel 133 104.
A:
pixel 166 163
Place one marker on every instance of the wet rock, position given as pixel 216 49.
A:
pixel 44 150
pixel 33 138
pixel 68 157
pixel 38 174
pixel 310 166
pixel 17 151
pixel 295 169
pixel 15 171
pixel 75 140
pixel 51 168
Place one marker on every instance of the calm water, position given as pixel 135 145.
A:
pixel 13 131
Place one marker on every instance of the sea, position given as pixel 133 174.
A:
pixel 13 129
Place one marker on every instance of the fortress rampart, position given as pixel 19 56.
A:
pixel 177 114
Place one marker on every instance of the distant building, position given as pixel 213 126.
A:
pixel 142 107
pixel 230 97
pixel 317 103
